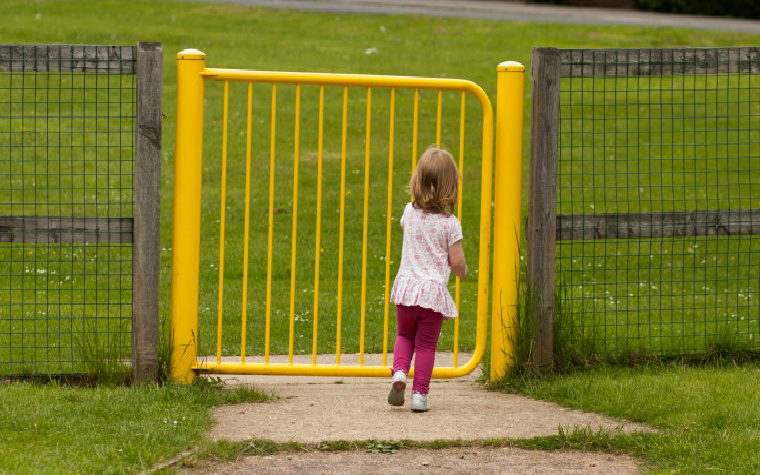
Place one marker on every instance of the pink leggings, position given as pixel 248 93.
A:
pixel 416 328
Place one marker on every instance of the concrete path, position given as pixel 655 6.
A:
pixel 320 409
pixel 316 409
pixel 505 10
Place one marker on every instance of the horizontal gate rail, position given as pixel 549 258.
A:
pixel 364 80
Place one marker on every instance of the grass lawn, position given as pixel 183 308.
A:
pixel 47 428
pixel 240 37
pixel 707 416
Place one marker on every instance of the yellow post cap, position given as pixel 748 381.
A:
pixel 191 53
pixel 510 66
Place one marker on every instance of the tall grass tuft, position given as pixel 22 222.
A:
pixel 522 334
pixel 104 363
pixel 164 352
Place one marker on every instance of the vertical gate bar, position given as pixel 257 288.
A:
pixel 458 283
pixel 294 244
pixel 246 224
pixel 388 221
pixel 187 214
pixel 368 134
pixel 318 249
pixel 342 222
pixel 222 220
pixel 486 208
pixel 438 121
pixel 415 121
pixel 270 230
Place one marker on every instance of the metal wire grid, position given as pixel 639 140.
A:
pixel 652 145
pixel 67 143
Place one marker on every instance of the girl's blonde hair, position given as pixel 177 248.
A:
pixel 435 182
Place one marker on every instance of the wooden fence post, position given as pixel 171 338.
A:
pixel 542 202
pixel 147 199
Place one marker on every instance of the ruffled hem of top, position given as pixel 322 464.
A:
pixel 424 293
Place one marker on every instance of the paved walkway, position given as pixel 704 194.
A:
pixel 320 409
pixel 316 409
pixel 505 10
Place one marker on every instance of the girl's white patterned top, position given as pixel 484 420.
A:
pixel 424 271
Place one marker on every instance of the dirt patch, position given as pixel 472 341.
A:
pixel 462 461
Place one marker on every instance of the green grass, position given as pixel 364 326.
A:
pixel 132 419
pixel 47 428
pixel 670 297
pixel 240 37
pixel 706 415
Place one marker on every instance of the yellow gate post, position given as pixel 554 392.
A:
pixel 187 213
pixel 510 87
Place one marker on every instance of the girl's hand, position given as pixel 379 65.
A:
pixel 457 261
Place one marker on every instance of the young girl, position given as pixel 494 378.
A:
pixel 432 249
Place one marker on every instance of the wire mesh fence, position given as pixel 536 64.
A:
pixel 658 199
pixel 67 138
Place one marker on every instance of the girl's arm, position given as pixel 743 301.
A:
pixel 457 261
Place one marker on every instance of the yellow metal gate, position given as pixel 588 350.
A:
pixel 189 176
